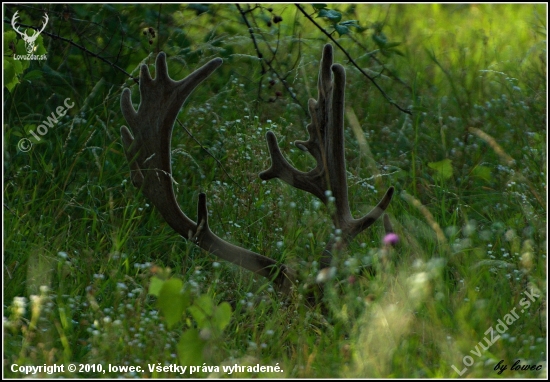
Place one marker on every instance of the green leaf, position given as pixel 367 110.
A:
pixel 173 301
pixel 202 310
pixel 31 136
pixel 350 23
pixel 222 316
pixel 39 44
pixel 330 14
pixel 155 286
pixel 10 78
pixel 341 29
pixel 190 348
pixel 482 172
pixel 380 39
pixel 319 6
pixel 444 169
pixel 208 315
pixel 32 75
pixel 9 36
pixel 392 44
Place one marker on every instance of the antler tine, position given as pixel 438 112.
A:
pixel 313 181
pixel 46 19
pixel 326 144
pixel 148 153
pixel 334 147
pixel 387 225
pixel 16 28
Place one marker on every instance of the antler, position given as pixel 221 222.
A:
pixel 46 19
pixel 326 145
pixel 29 40
pixel 148 152
pixel 15 17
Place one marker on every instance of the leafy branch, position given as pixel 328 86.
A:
pixel 351 60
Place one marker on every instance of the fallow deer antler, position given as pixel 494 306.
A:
pixel 326 145
pixel 149 154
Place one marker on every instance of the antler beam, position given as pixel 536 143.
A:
pixel 149 154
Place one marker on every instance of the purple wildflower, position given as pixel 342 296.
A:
pixel 391 239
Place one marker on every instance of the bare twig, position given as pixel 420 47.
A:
pixel 375 59
pixel 266 62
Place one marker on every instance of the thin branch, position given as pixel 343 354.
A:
pixel 352 61
pixel 374 58
pixel 266 62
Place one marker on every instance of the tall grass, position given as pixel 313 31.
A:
pixel 82 244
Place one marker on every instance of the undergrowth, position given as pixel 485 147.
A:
pixel 86 256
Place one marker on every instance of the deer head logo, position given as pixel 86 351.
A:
pixel 29 40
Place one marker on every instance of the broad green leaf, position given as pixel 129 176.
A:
pixel 330 14
pixel 208 315
pixel 173 301
pixel 190 348
pixel 319 6
pixel 341 29
pixel 10 79
pixel 32 75
pixel 380 39
pixel 40 48
pixel 202 310
pixel 9 36
pixel 482 172
pixel 443 168
pixel 20 47
pixel 155 286
pixel 222 316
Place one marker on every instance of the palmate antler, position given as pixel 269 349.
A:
pixel 149 155
pixel 148 152
pixel 326 145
